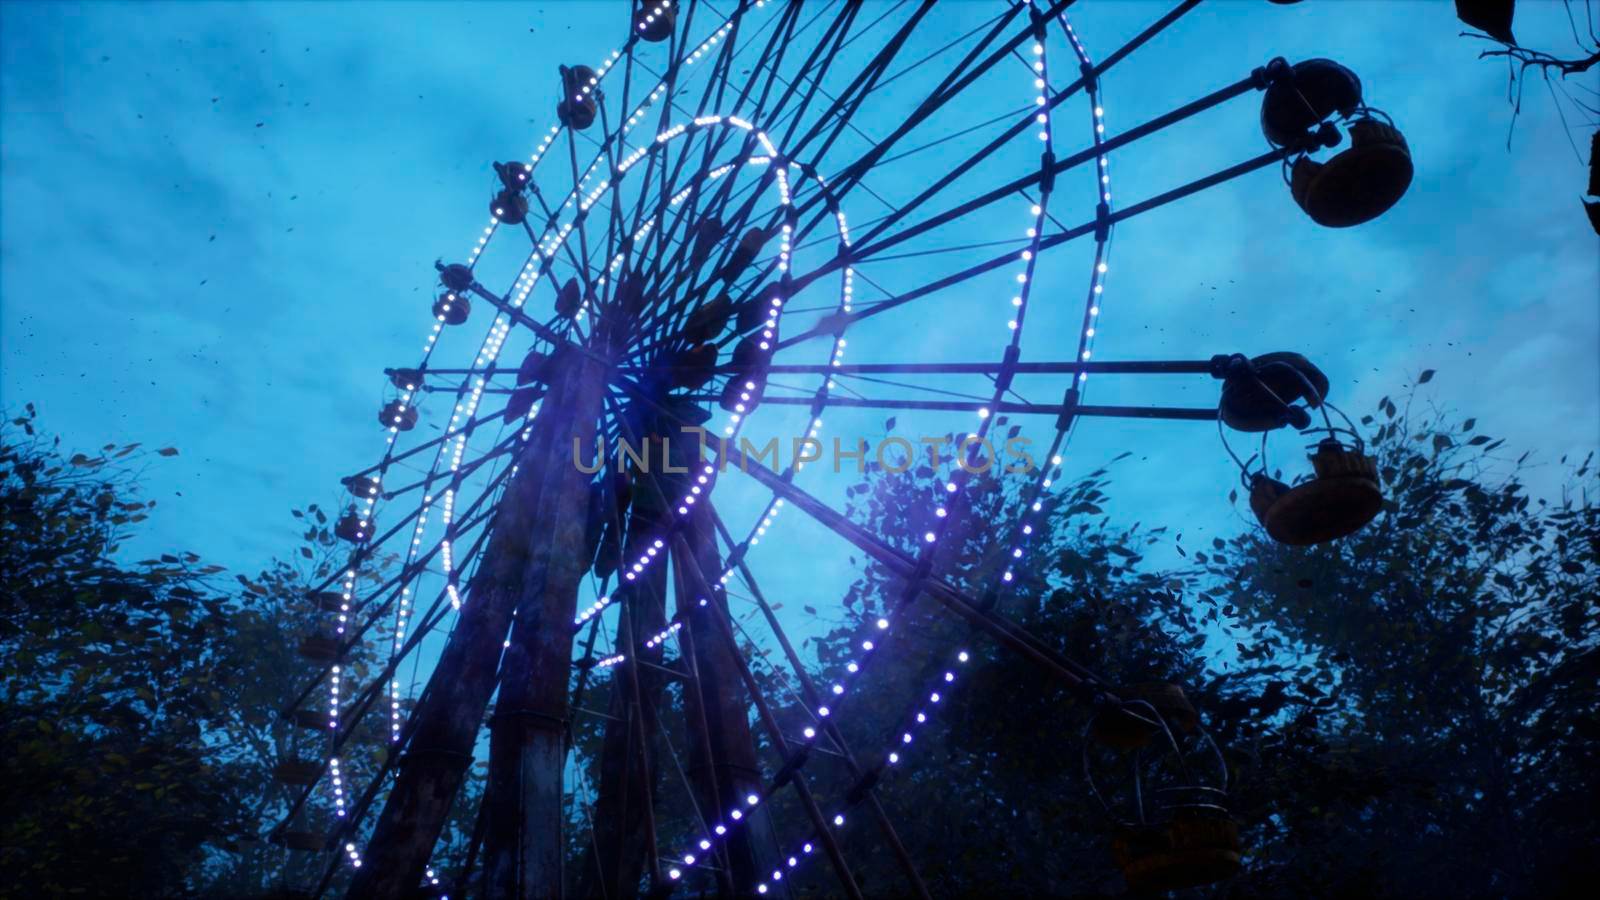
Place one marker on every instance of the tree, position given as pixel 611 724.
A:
pixel 1435 726
pixel 109 684
pixel 270 614
pixel 1494 18
pixel 990 798
pixel 142 702
pixel 1408 711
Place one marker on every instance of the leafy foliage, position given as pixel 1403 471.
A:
pixel 1409 711
pixel 141 701
pixel 1436 731
pixel 110 683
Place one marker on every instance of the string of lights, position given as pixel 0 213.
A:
pixel 919 714
pixel 649 322
pixel 853 667
pixel 466 406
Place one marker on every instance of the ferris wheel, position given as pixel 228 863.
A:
pixel 748 227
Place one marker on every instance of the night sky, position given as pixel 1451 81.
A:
pixel 218 223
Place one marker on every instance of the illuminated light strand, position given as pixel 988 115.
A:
pixel 594 609
pixel 466 409
pixel 488 357
pixel 845 305
pixel 1027 520
pixel 405 403
pixel 637 567
pixel 704 478
pixel 736 814
pixel 1038 211
pixel 839 819
pixel 661 636
pixel 1097 281
pixel 644 106
pixel 853 666
pixel 891 759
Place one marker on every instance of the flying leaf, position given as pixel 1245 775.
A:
pixel 168 451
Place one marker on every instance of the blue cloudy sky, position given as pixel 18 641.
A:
pixel 217 225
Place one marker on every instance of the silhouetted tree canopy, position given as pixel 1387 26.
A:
pixel 1410 711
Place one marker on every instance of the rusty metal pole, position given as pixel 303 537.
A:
pixel 701 752
pixel 721 702
pixel 629 753
pixel 444 728
pixel 523 846
pixel 719 628
pixel 808 690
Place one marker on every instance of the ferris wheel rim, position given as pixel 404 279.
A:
pixel 739 551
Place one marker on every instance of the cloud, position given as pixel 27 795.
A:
pixel 132 140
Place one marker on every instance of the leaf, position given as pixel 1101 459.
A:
pixel 1425 377
pixel 1492 17
pixel 168 451
pixel 888 424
